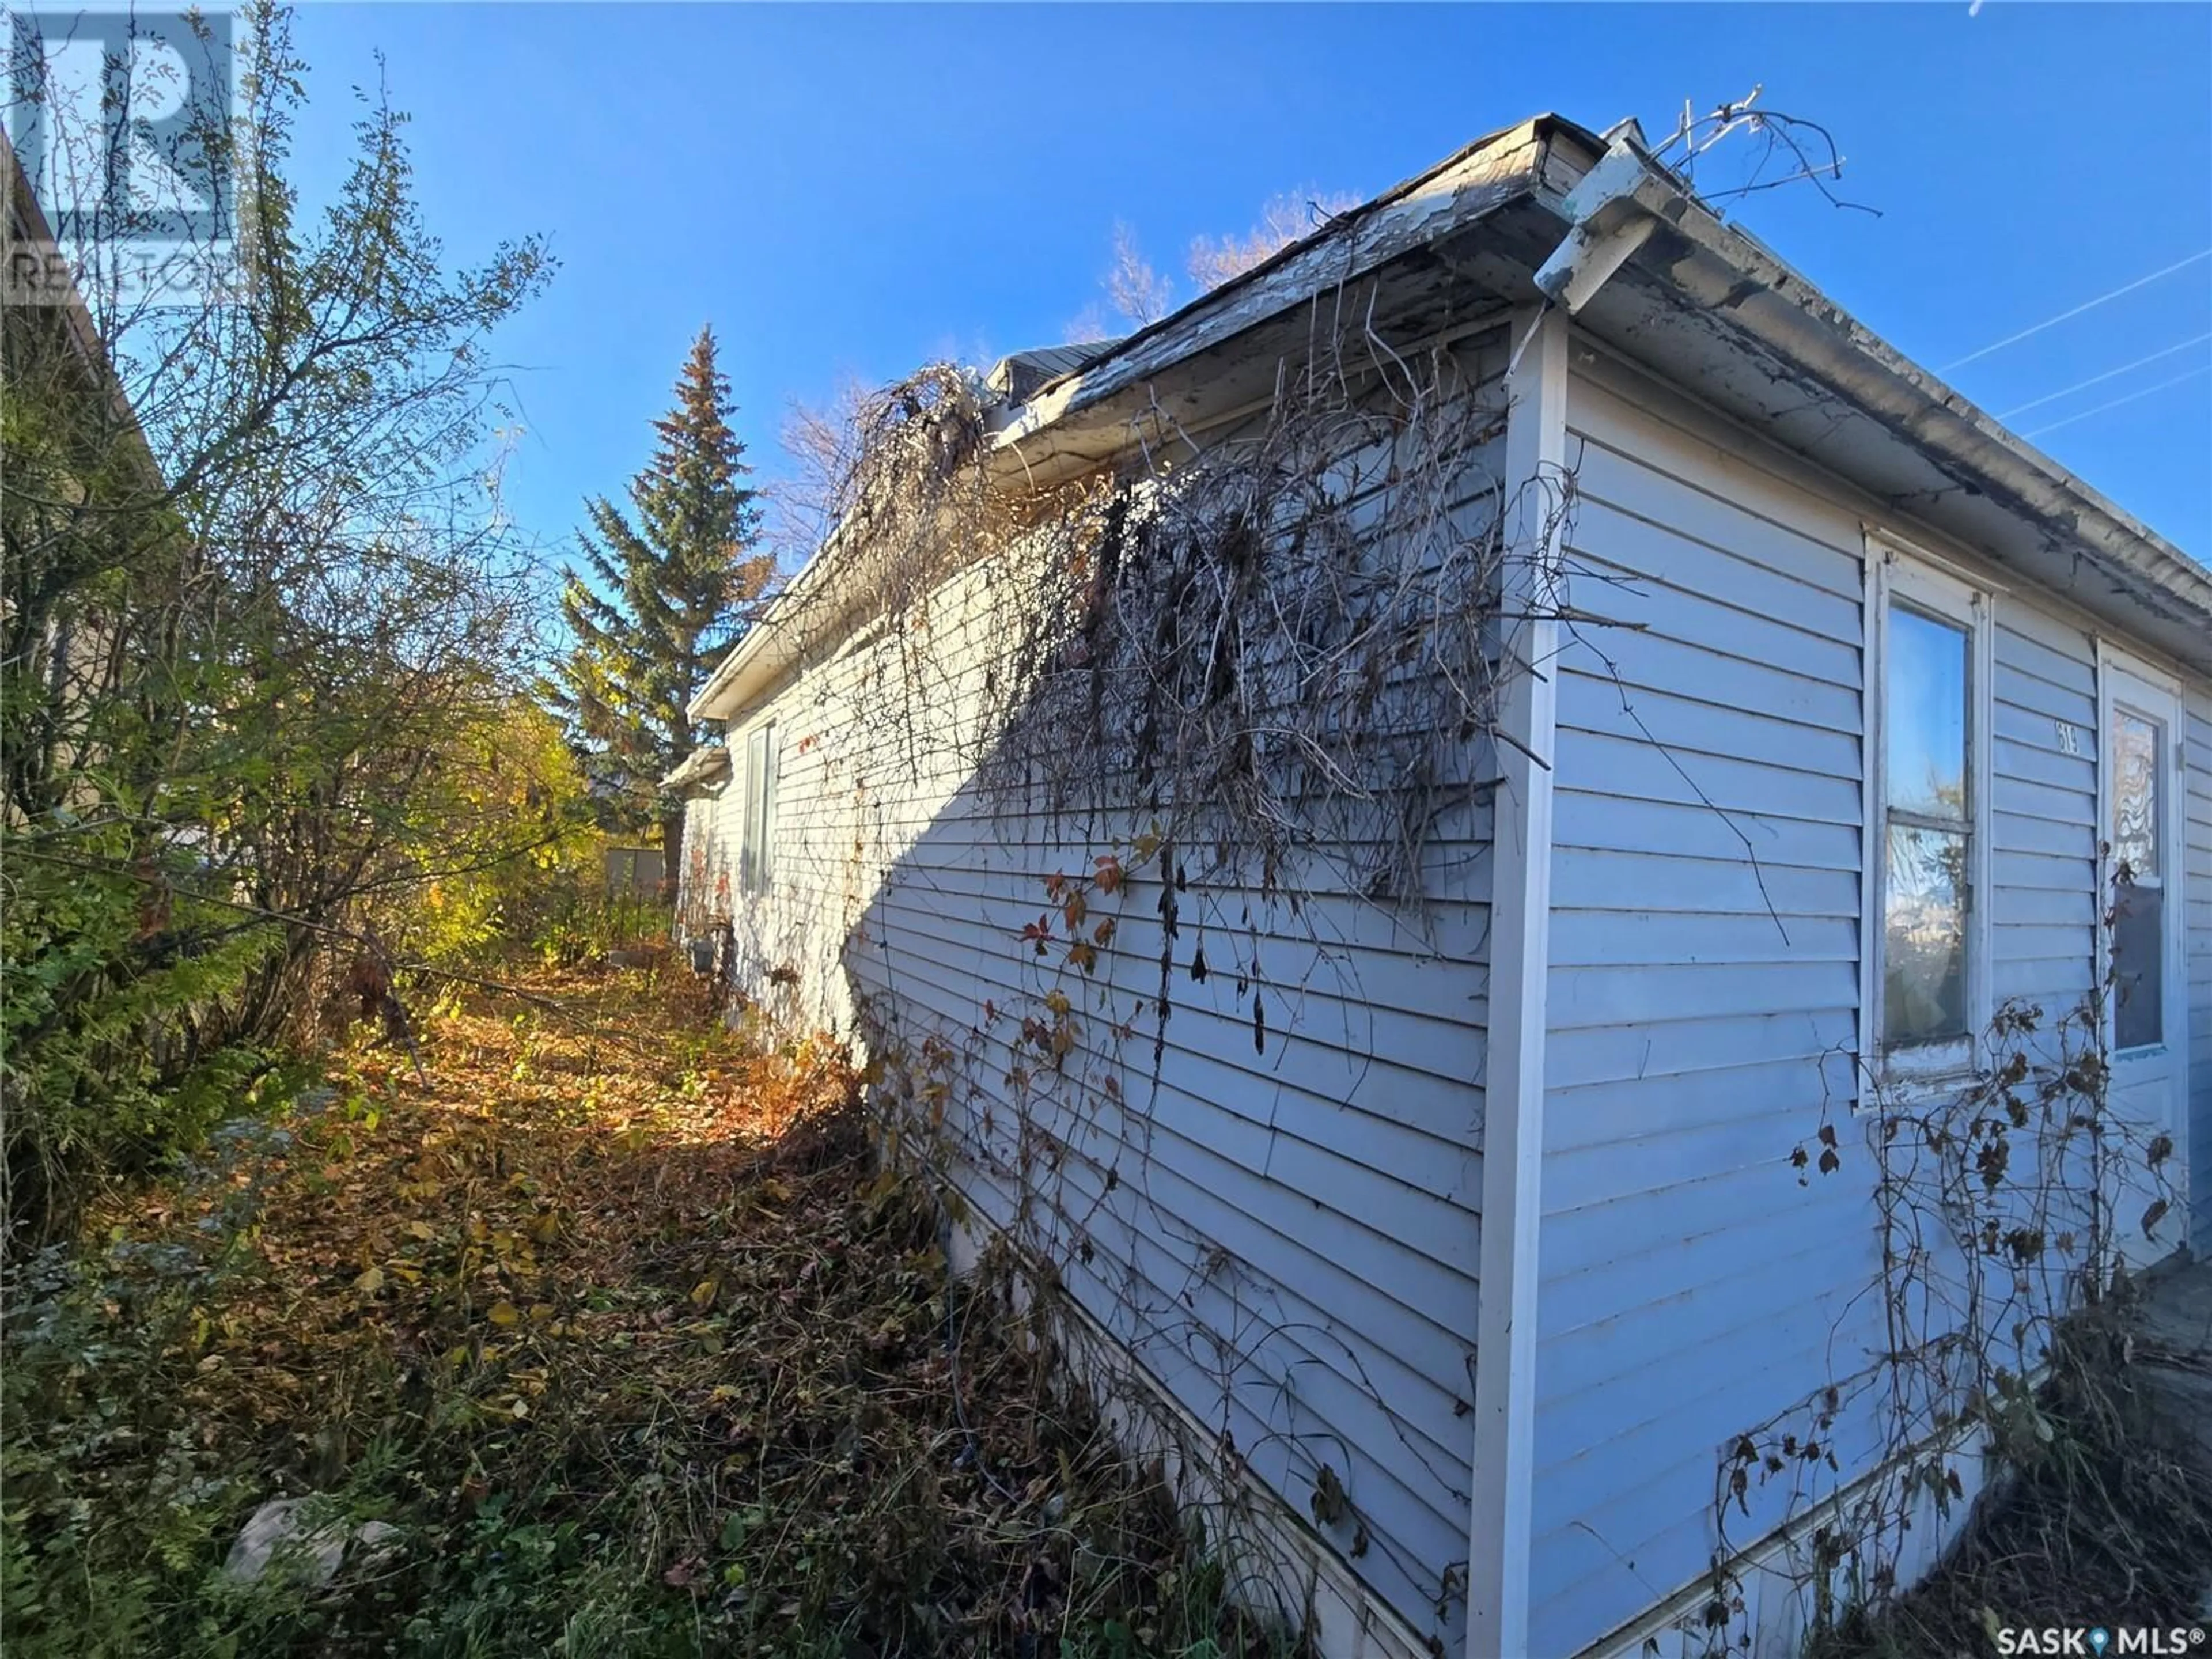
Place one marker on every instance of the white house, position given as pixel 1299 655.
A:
pixel 1456 1237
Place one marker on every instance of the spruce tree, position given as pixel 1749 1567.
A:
pixel 663 592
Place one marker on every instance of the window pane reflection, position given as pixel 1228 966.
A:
pixel 2138 888
pixel 2134 794
pixel 2138 967
pixel 1926 715
pixel 1924 956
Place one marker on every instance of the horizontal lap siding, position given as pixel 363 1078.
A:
pixel 2197 910
pixel 1704 997
pixel 2042 850
pixel 702 898
pixel 1705 974
pixel 1282 1226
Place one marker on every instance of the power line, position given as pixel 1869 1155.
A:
pixel 2109 374
pixel 2116 402
pixel 2052 322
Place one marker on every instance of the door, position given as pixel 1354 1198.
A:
pixel 2141 941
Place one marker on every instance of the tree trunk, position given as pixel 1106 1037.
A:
pixel 672 853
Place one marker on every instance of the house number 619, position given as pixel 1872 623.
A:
pixel 2069 739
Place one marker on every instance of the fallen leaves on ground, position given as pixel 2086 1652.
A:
pixel 610 1310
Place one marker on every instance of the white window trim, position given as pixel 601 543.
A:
pixel 757 811
pixel 1882 539
pixel 1893 571
pixel 2173 827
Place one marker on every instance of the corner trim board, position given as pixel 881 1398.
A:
pixel 1503 1484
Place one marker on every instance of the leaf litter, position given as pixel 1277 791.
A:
pixel 611 1314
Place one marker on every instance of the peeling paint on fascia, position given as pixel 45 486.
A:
pixel 1881 379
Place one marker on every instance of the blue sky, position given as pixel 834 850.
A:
pixel 845 190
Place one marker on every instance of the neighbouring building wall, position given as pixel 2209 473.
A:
pixel 1704 991
pixel 1270 1198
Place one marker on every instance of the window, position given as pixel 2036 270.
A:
pixel 1928 821
pixel 2140 717
pixel 757 824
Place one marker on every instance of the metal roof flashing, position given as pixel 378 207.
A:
pixel 1019 375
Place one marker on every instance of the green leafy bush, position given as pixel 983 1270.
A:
pixel 260 630
pixel 105 1011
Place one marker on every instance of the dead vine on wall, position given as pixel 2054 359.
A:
pixel 2005 1210
pixel 1282 640
pixel 1255 667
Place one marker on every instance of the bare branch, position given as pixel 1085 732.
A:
pixel 1134 289
pixel 1287 218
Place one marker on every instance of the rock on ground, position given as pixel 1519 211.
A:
pixel 285 1529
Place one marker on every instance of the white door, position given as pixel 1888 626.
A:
pixel 2140 783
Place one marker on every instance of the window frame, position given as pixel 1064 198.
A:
pixel 2113 665
pixel 757 809
pixel 1939 590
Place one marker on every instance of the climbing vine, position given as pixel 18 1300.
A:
pixel 2004 1211
pixel 1191 704
pixel 1280 640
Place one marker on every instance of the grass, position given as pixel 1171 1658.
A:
pixel 608 1312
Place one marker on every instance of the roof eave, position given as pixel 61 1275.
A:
pixel 26 225
pixel 1080 422
pixel 1113 390
pixel 1719 272
pixel 702 769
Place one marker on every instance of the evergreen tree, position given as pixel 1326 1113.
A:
pixel 662 596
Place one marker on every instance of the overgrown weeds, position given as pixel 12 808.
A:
pixel 579 924
pixel 612 1317
pixel 2103 1519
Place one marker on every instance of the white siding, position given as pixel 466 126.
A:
pixel 1704 978
pixel 1284 1233
pixel 1704 993
pixel 2043 819
pixel 1285 1236
pixel 2197 908
pixel 703 895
